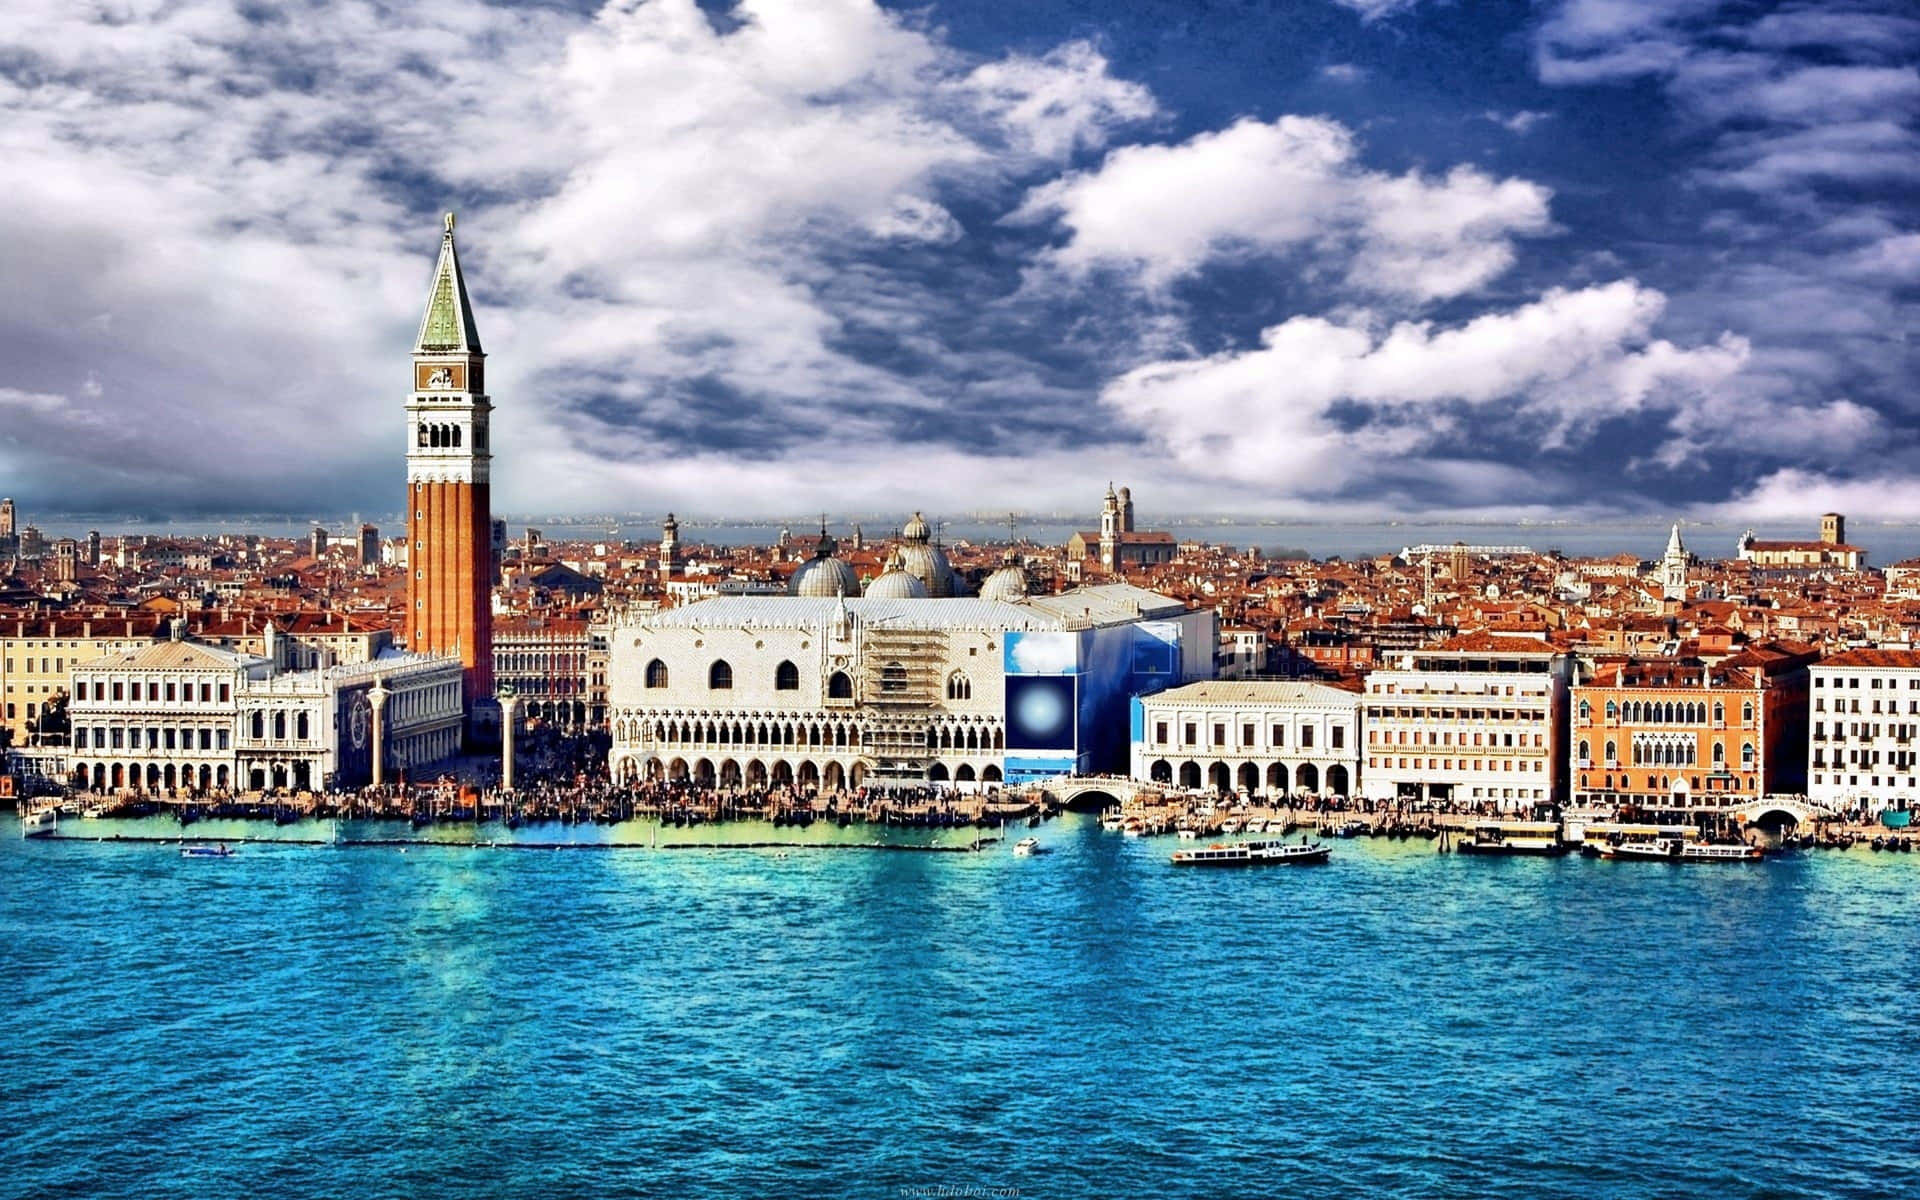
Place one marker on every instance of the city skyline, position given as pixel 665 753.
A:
pixel 1378 258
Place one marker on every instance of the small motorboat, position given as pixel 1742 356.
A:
pixel 216 851
pixel 1026 847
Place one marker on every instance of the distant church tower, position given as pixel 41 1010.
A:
pixel 1112 519
pixel 669 543
pixel 1833 529
pixel 449 508
pixel 1673 568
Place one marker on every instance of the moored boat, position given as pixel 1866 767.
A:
pixel 1535 839
pixel 1253 854
pixel 216 851
pixel 1679 850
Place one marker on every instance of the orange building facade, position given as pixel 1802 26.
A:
pixel 449 509
pixel 1675 733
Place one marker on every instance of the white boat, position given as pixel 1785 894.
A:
pixel 1680 850
pixel 42 823
pixel 1026 847
pixel 1187 835
pixel 1254 854
pixel 217 851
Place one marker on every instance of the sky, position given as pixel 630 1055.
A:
pixel 1340 258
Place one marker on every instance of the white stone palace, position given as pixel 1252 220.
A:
pixel 839 691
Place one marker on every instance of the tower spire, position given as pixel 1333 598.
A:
pixel 447 326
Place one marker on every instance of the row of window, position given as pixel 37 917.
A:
pixel 1669 712
pixel 1853 681
pixel 1864 729
pixel 48 666
pixel 99 691
pixel 786 678
pixel 1465 764
pixel 1445 737
pixel 1477 716
pixel 1277 736
pixel 1846 704
pixel 152 737
pixel 1656 752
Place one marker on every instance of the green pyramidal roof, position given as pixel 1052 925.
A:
pixel 448 324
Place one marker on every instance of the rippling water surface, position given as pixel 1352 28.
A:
pixel 310 1021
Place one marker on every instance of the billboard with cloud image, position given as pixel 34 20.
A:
pixel 1045 653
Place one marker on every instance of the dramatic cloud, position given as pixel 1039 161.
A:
pixel 782 255
pixel 1320 406
pixel 1289 185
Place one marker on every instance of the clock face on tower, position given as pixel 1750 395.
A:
pixel 358 721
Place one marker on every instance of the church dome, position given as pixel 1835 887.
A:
pixel 1009 585
pixel 824 576
pixel 896 584
pixel 923 560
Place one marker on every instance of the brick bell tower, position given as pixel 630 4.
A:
pixel 449 510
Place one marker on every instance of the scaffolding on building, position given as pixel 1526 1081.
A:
pixel 902 678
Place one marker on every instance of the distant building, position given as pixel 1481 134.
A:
pixel 1673 568
pixel 317 542
pixel 1255 736
pixel 1832 550
pixel 368 547
pixel 1117 543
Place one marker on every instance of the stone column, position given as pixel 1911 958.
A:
pixel 509 706
pixel 377 697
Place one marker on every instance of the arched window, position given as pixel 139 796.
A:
pixel 893 678
pixel 1613 710
pixel 279 727
pixel 259 724
pixel 1586 750
pixel 301 729
pixel 1612 752
pixel 720 675
pixel 839 686
pixel 1746 713
pixel 1719 713
pixel 456 437
pixel 1746 754
pixel 1719 755
pixel 786 678
pixel 1586 714
pixel 656 674
pixel 959 687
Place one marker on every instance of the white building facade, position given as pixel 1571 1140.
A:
pixel 1270 738
pixel 836 693
pixel 180 716
pixel 1479 720
pixel 1863 730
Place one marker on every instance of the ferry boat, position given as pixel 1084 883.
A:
pixel 1026 847
pixel 1537 839
pixel 1253 854
pixel 220 851
pixel 1678 850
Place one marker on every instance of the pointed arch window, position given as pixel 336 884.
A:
pixel 959 687
pixel 1586 711
pixel 720 675
pixel 786 678
pixel 656 674
pixel 1746 713
pixel 839 686
pixel 1613 710
pixel 1746 755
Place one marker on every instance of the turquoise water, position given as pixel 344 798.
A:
pixel 318 1022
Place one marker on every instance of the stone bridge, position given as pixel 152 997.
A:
pixel 1767 811
pixel 1086 792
